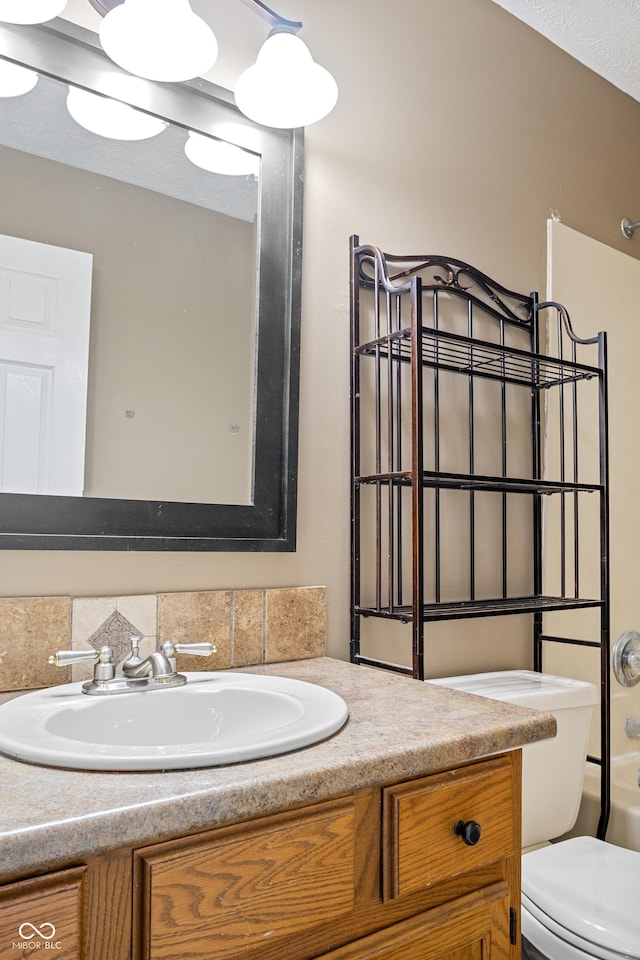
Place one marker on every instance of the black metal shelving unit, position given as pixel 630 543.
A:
pixel 474 407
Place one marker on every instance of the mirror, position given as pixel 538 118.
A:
pixel 222 482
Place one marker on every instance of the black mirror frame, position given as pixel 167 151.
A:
pixel 37 521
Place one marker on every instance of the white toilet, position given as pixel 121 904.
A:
pixel 580 897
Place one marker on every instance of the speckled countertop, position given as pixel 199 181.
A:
pixel 397 729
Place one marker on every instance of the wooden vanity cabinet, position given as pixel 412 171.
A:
pixel 43 915
pixel 376 875
pixel 380 873
pixel 77 913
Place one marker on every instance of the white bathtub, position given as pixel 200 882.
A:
pixel 624 822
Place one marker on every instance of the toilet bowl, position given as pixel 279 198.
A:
pixel 580 897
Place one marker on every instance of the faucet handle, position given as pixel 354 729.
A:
pixel 63 658
pixel 203 649
pixel 105 665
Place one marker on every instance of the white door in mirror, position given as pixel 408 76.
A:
pixel 45 307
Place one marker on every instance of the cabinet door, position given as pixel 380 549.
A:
pixel 255 885
pixel 42 915
pixel 472 928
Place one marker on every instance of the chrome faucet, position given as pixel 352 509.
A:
pixel 156 665
pixel 157 671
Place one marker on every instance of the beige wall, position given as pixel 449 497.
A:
pixel 457 130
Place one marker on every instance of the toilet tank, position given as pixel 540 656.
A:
pixel 552 770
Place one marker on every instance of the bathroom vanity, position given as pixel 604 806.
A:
pixel 365 845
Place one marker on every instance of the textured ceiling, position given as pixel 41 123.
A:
pixel 602 34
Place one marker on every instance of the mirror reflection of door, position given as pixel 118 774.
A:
pixel 45 303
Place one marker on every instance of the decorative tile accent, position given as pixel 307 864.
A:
pixel 248 627
pixel 193 618
pixel 295 623
pixel 31 629
pixel 115 632
pixel 112 620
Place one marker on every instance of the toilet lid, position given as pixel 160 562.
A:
pixel 588 891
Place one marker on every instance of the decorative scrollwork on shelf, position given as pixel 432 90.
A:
pixel 377 268
pixel 565 319
pixel 451 281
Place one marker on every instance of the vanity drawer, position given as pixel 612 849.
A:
pixel 258 884
pixel 420 845
pixel 41 915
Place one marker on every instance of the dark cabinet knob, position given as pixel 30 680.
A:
pixel 469 830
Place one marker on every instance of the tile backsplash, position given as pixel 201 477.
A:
pixel 246 626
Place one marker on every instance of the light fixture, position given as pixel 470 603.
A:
pixel 285 87
pixel 30 11
pixel 218 156
pixel 15 80
pixel 165 40
pixel 110 118
pixel 158 39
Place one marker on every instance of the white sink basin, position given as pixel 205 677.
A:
pixel 217 718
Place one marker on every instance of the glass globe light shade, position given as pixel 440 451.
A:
pixel 285 87
pixel 158 39
pixel 110 118
pixel 218 156
pixel 30 11
pixel 15 80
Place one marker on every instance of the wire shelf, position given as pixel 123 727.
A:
pixel 462 481
pixel 466 609
pixel 444 350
